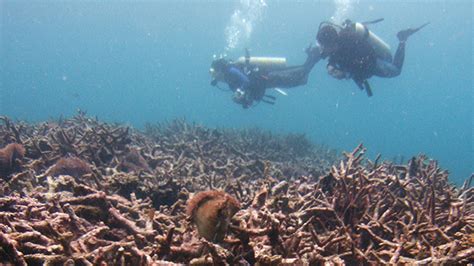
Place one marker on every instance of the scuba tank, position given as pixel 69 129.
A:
pixel 266 63
pixel 260 63
pixel 381 48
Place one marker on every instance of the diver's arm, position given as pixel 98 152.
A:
pixel 314 55
pixel 336 72
pixel 242 81
pixel 241 86
pixel 317 52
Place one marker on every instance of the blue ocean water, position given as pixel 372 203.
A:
pixel 147 61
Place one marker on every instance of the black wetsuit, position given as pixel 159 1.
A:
pixel 391 69
pixel 258 80
pixel 354 55
pixel 287 77
pixel 357 57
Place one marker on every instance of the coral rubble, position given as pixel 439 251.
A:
pixel 93 193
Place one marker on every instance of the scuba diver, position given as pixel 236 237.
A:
pixel 249 77
pixel 354 52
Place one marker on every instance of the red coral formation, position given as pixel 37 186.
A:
pixel 211 211
pixel 72 166
pixel 10 158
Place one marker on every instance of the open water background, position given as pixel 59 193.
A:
pixel 147 61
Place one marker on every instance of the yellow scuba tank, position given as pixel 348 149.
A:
pixel 382 49
pixel 267 63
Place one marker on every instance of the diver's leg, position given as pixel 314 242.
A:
pixel 296 75
pixel 386 69
pixel 392 69
pixel 314 55
pixel 400 53
pixel 287 78
pixel 399 57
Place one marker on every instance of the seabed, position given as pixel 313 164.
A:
pixel 80 191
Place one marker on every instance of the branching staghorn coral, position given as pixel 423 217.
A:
pixel 309 209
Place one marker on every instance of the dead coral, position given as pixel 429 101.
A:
pixel 133 161
pixel 72 166
pixel 212 211
pixel 10 159
pixel 298 207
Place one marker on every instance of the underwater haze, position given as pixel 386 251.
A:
pixel 148 61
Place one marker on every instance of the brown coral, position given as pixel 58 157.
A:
pixel 133 161
pixel 355 212
pixel 211 211
pixel 72 166
pixel 10 158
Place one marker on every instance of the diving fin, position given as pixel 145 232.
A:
pixel 404 34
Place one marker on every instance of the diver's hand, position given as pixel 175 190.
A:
pixel 336 73
pixel 241 97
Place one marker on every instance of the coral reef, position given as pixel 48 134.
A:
pixel 133 161
pixel 181 193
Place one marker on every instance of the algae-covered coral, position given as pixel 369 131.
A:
pixel 128 200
